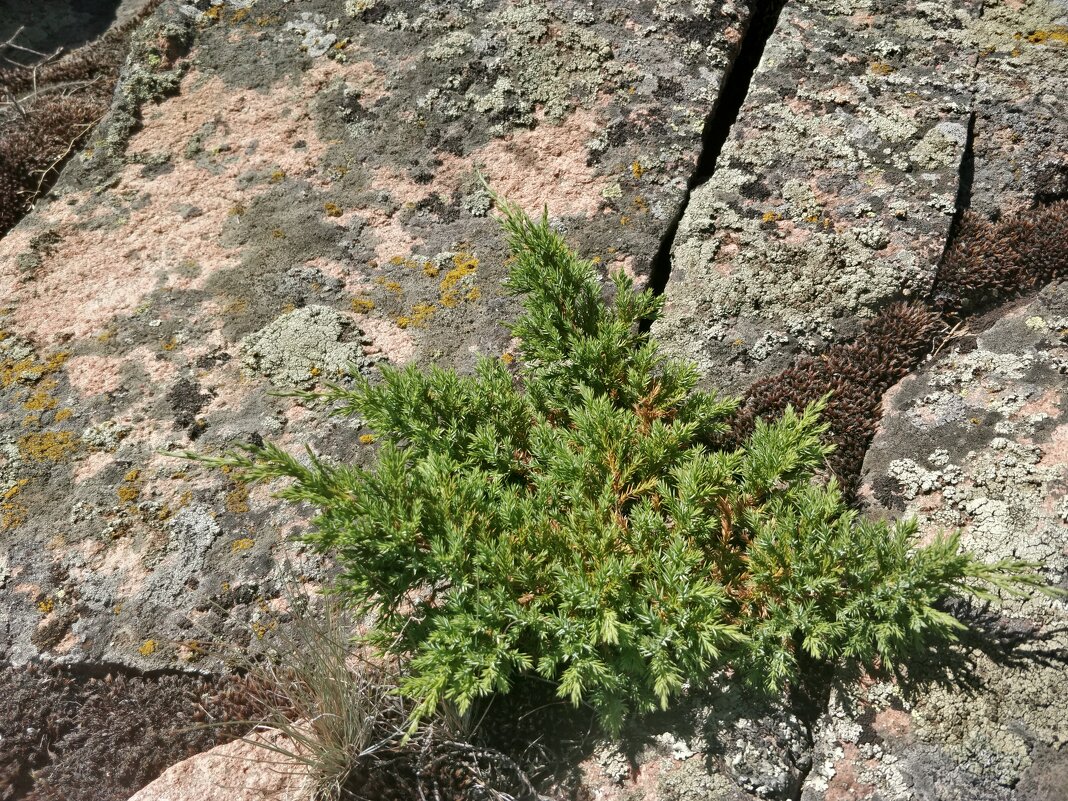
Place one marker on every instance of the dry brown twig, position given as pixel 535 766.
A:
pixel 955 333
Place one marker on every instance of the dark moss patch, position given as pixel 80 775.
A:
pixel 993 261
pixel 66 735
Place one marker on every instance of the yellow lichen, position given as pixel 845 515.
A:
pixel 367 439
pixel 237 210
pixel 391 286
pixel 235 306
pixel 243 544
pixel 624 220
pixel 148 647
pixel 170 343
pixel 362 305
pixel 49 446
pixel 15 489
pixel 130 489
pixel 421 312
pixel 473 294
pixel 507 358
pixel 12 513
pixel 128 493
pixel 63 414
pixel 464 265
pixel 278 233
pixel 771 216
pixel 39 401
pixel 237 500
pixel 239 15
pixel 332 209
pixel 1057 34
pixel 29 370
pixel 278 175
pixel 260 630
pixel 46 605
pixel 880 68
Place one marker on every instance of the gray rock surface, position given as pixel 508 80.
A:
pixel 1021 105
pixel 864 128
pixel 835 190
pixel 306 198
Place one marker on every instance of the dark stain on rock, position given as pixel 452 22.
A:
pixel 186 399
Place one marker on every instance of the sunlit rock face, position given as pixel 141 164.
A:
pixel 283 191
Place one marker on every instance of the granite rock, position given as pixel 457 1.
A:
pixel 866 128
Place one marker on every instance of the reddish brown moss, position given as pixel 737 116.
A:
pixel 856 375
pixel 59 103
pixel 32 147
pixel 993 261
pixel 65 736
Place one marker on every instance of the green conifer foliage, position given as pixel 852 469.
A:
pixel 573 519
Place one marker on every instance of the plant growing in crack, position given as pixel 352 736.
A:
pixel 572 517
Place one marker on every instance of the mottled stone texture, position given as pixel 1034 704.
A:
pixel 305 198
pixel 1021 105
pixel 835 191
pixel 238 771
pixel 864 128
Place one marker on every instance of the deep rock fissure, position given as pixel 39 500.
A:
pixel 965 180
pixel 717 128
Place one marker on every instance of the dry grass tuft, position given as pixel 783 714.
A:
pixel 346 728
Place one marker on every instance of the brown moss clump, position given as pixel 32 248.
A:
pixel 856 376
pixel 992 261
pixel 58 103
pixel 65 736
pixel 99 60
pixel 34 145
